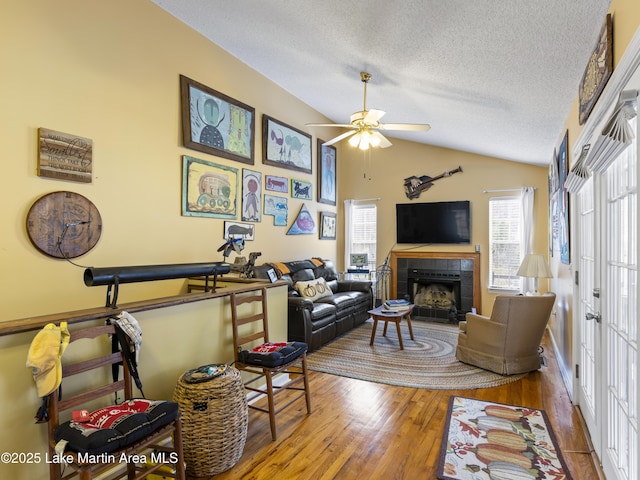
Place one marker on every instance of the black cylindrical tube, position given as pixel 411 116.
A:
pixel 143 273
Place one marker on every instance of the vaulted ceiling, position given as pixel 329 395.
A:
pixel 493 77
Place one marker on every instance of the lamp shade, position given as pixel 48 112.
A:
pixel 534 265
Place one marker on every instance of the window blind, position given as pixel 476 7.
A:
pixel 364 232
pixel 505 237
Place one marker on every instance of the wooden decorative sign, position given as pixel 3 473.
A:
pixel 64 156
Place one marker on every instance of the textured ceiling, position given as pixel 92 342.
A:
pixel 493 77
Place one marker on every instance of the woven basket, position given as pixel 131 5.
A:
pixel 214 422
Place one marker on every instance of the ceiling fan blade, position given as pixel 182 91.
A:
pixel 340 125
pixel 373 116
pixel 383 141
pixel 414 127
pixel 340 137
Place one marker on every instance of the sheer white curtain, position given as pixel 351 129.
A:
pixel 526 198
pixel 348 206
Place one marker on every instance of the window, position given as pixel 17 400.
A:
pixel 361 232
pixel 505 238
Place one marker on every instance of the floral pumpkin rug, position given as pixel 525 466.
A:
pixel 493 441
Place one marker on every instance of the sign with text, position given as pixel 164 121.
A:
pixel 64 156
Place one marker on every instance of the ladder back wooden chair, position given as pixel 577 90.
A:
pixel 267 362
pixel 111 437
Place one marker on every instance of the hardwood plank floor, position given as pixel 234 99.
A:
pixel 362 430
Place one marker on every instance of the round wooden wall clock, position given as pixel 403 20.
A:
pixel 64 224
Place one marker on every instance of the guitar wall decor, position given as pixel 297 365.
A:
pixel 414 186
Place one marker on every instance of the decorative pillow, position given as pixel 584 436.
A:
pixel 313 289
pixel 116 426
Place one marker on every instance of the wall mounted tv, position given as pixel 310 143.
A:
pixel 434 222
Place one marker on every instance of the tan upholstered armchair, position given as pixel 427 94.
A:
pixel 507 342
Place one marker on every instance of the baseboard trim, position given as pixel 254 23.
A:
pixel 567 375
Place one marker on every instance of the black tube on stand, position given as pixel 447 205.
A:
pixel 114 276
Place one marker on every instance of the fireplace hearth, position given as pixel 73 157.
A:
pixel 442 286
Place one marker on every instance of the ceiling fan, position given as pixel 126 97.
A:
pixel 365 125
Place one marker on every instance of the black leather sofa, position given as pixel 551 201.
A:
pixel 317 321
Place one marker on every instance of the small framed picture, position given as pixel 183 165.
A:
pixel 272 275
pixel 276 184
pixel 300 189
pixel 327 226
pixel 239 230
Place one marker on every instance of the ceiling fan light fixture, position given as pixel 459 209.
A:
pixel 364 125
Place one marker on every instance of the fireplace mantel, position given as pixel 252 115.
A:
pixel 413 259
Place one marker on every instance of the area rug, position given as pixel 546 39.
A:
pixel 427 362
pixel 493 441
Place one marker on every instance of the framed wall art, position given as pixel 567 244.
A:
pixel 239 230
pixel 597 73
pixel 327 226
pixel 277 207
pixel 301 189
pixel 251 195
pixel 553 207
pixel 563 200
pixel 276 184
pixel 304 223
pixel 285 146
pixel 209 189
pixel 215 123
pixel 327 163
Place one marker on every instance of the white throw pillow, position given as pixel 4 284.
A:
pixel 313 289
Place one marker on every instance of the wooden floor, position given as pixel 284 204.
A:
pixel 362 430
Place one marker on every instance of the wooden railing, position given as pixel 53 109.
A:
pixel 35 323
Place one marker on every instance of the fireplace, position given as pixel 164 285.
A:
pixel 443 286
pixel 435 294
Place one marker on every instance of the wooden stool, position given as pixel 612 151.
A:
pixel 386 316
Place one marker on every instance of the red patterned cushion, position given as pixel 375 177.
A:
pixel 116 426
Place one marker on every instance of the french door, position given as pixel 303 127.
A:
pixel 607 313
pixel 587 315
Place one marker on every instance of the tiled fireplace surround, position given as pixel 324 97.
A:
pixel 460 271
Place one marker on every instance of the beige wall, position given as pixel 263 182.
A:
pixel 626 21
pixel 382 176
pixel 109 71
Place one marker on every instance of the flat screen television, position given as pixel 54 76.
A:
pixel 434 222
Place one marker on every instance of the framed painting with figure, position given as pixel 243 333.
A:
pixel 285 146
pixel 327 163
pixel 215 123
pixel 563 201
pixel 251 195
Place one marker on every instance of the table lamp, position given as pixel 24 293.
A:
pixel 536 266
